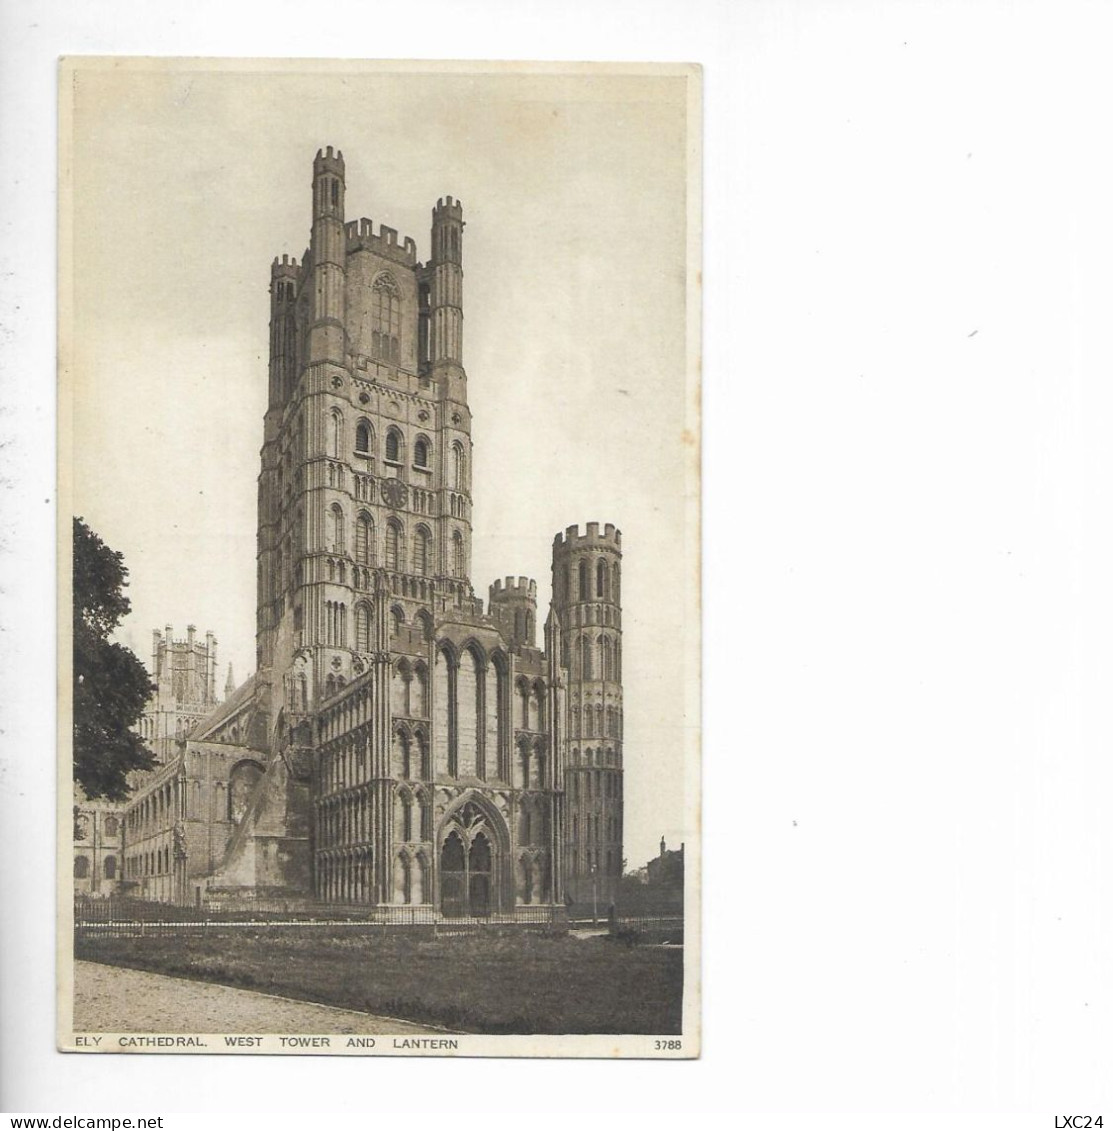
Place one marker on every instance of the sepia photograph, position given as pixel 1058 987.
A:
pixel 379 558
pixel 555 564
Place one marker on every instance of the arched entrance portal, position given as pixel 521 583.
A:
pixel 473 851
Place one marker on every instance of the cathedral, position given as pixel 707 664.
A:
pixel 399 743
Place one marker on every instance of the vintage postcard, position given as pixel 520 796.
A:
pixel 379 583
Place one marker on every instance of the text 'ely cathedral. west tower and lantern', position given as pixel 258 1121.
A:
pixel 397 745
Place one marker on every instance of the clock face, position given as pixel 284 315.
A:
pixel 394 492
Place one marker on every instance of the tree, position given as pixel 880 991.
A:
pixel 110 684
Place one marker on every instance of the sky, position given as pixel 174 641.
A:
pixel 189 180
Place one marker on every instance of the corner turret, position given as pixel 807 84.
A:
pixel 328 250
pixel 446 297
pixel 513 604
pixel 587 600
pixel 283 355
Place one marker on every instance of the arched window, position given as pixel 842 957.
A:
pixel 394 446
pixel 583 581
pixel 365 539
pixel 400 689
pixel 363 437
pixel 585 657
pixel 421 552
pixel 421 452
pixel 337 529
pixel 537 707
pixel 111 826
pixel 386 317
pixel 608 666
pixel 335 430
pixel 425 622
pixel 459 469
pixel 457 554
pixel 394 546
pixel 600 578
pixel 110 867
pixel 363 627
pixel 405 808
pixel 402 890
pixel 80 867
pixel 397 618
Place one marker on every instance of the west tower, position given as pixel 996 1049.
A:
pixel 419 749
pixel 366 460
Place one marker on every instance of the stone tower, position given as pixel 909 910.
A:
pixel 415 746
pixel 587 601
pixel 364 497
pixel 184 674
pixel 366 459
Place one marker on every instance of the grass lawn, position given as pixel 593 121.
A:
pixel 512 982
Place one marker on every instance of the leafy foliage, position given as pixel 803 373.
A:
pixel 110 684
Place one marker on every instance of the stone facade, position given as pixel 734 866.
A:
pixel 97 845
pixel 408 747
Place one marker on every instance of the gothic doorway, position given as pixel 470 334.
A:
pixel 471 862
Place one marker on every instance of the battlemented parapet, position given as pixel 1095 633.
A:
pixel 447 207
pixel 571 537
pixel 513 587
pixel 327 163
pixel 361 236
pixel 586 568
pixel 284 268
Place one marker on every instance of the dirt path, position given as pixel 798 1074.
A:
pixel 110 999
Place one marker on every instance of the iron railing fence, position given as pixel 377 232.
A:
pixel 125 917
pixel 131 916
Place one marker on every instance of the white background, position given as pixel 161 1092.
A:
pixel 908 495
